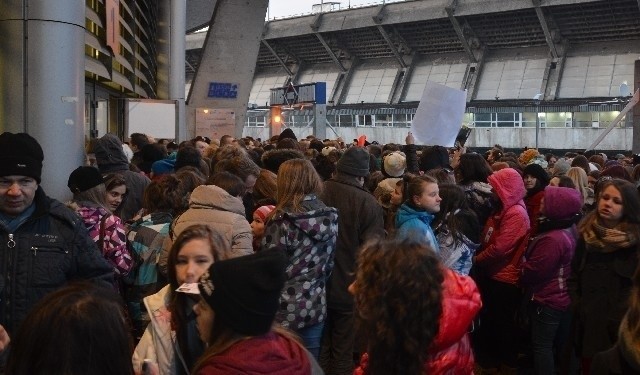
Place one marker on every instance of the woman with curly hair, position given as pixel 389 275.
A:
pixel 413 312
pixel 603 266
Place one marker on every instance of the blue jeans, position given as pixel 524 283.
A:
pixel 311 337
pixel 548 327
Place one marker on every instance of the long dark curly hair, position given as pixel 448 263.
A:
pixel 398 295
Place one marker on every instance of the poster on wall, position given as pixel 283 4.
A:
pixel 214 123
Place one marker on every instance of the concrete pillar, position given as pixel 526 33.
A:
pixel 42 82
pixel 636 110
pixel 171 58
pixel 229 57
pixel 320 120
pixel 177 70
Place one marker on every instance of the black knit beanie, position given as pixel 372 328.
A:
pixel 244 292
pixel 83 179
pixel 20 155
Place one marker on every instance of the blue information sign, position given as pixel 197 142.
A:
pixel 223 90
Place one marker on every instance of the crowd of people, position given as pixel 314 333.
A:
pixel 308 256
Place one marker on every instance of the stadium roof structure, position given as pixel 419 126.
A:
pixel 430 27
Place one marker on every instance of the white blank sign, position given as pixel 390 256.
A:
pixel 156 118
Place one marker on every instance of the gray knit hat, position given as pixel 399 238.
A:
pixel 355 161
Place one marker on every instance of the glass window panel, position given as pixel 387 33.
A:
pixel 333 120
pixel 582 119
pixel 365 120
pixel 505 120
pixel 607 117
pixel 347 120
pixel 384 120
pixel 556 119
pixel 506 117
pixel 483 117
pixel 529 119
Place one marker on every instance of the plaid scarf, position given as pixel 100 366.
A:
pixel 608 239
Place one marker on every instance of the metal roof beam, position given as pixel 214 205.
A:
pixel 456 26
pixel 273 52
pixel 545 27
pixel 330 52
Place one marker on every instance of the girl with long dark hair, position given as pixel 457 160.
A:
pixel 171 339
pixel 457 229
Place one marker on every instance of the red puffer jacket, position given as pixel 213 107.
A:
pixel 451 351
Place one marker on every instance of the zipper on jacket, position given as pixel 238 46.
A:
pixel 35 249
pixel 11 243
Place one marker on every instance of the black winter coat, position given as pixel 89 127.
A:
pixel 48 250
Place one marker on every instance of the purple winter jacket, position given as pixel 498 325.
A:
pixel 547 264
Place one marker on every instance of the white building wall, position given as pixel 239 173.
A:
pixel 596 76
pixel 552 138
pixel 320 74
pixel 371 84
pixel 262 85
pixel 450 75
pixel 511 79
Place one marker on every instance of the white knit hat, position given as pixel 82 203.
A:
pixel 395 163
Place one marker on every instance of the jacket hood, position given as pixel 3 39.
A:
pixel 460 304
pixel 561 202
pixel 508 185
pixel 91 215
pixel 211 196
pixel 269 354
pixel 406 213
pixel 272 159
pixel 109 154
pixel 320 224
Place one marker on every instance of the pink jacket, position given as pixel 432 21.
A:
pixel 114 241
pixel 507 227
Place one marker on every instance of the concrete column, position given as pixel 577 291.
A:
pixel 229 56
pixel 320 120
pixel 171 58
pixel 177 70
pixel 636 110
pixel 42 82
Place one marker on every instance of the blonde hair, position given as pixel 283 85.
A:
pixel 296 178
pixel 580 180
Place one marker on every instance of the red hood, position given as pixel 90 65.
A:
pixel 508 185
pixel 269 354
pixel 460 304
